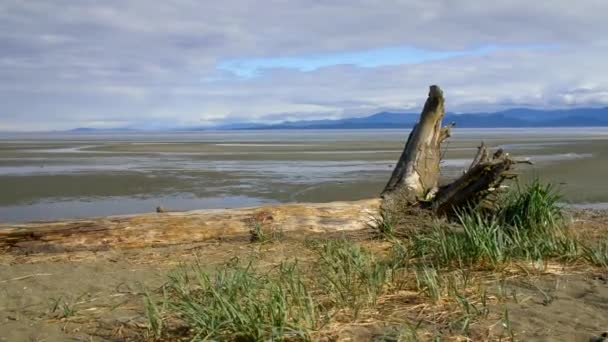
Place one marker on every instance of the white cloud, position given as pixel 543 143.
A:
pixel 65 64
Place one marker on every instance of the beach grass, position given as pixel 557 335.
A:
pixel 453 273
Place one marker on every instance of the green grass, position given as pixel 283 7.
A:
pixel 238 303
pixel 528 227
pixel 241 302
pixel 428 282
pixel 154 316
pixel 63 309
pixel 480 240
pixel 470 309
pixel 345 281
pixel 597 254
pixel 352 276
pixel 534 207
pixel 507 329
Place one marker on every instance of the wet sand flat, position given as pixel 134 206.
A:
pixel 57 176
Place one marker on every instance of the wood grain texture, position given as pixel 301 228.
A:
pixel 160 229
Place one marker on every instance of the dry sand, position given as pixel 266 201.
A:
pixel 104 289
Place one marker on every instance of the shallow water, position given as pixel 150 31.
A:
pixel 59 175
pixel 53 210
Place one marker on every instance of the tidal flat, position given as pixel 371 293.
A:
pixel 69 175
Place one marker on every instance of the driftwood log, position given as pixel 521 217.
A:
pixel 415 178
pixel 175 228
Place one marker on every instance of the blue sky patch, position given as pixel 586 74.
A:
pixel 251 67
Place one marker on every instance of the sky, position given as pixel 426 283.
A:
pixel 183 63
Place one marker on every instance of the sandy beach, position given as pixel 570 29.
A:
pixel 58 285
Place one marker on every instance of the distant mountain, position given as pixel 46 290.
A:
pixel 379 120
pixel 511 118
pixel 95 130
pixel 524 117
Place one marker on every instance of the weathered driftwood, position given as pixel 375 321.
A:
pixel 416 176
pixel 152 230
pixel 477 186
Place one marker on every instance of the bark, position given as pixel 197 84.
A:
pixel 416 174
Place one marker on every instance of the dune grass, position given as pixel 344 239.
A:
pixel 346 282
pixel 236 302
pixel 294 302
pixel 529 226
pixel 533 207
pixel 353 277
pixel 597 253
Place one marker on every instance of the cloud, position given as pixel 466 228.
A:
pixel 66 64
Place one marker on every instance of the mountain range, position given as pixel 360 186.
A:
pixel 516 117
pixel 511 118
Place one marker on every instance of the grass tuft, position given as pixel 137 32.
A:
pixel 352 276
pixel 64 309
pixel 153 314
pixel 597 254
pixel 529 226
pixel 238 303
pixel 428 282
pixel 532 208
